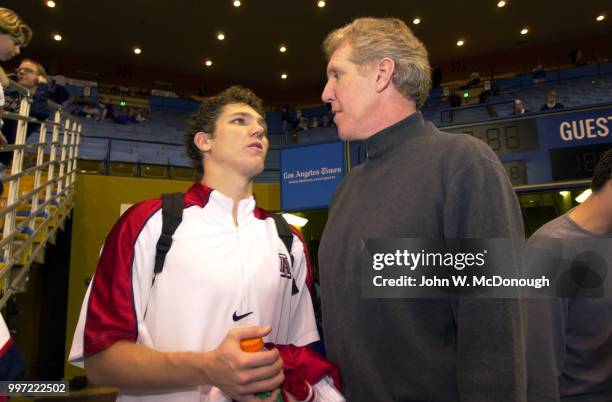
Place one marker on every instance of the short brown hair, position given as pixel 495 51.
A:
pixel 11 24
pixel 372 39
pixel 205 119
pixel 603 172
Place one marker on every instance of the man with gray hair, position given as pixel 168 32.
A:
pixel 430 185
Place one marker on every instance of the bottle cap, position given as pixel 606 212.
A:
pixel 252 344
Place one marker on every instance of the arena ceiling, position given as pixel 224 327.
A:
pixel 178 36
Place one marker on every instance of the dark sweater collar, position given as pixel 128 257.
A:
pixel 390 138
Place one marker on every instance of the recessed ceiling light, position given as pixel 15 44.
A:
pixel 321 4
pixel 208 63
pixel 460 42
pixel 284 76
pixel 50 4
pixel 283 49
pixel 501 4
pixel 237 3
pixel 137 50
pixel 524 31
pixel 416 21
pixel 57 37
pixel 220 36
pixel 600 18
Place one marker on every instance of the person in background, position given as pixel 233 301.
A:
pixel 518 108
pixel 539 73
pixel 569 342
pixel 551 102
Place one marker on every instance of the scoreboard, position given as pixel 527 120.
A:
pixel 542 150
pixel 547 148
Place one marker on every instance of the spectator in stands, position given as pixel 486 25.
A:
pixel 519 108
pixel 91 111
pixel 71 106
pixel 578 58
pixel 326 121
pixel 14 35
pixel 551 102
pixel 140 117
pixel 314 122
pixel 286 117
pixel 107 110
pixel 454 100
pixel 474 80
pixel 303 124
pixel 539 73
pixel 484 96
pixel 32 76
pixel 57 92
pixel 122 117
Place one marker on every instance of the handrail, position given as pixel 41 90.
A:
pixel 58 189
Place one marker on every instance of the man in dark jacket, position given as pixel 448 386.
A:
pixel 417 182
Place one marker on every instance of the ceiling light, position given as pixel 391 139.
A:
pixel 284 76
pixel 283 49
pixel 208 63
pixel 220 36
pixel 583 196
pixel 501 4
pixel 50 4
pixel 237 3
pixel 137 50
pixel 460 42
pixel 57 37
pixel 321 4
pixel 524 31
pixel 295 220
pixel 416 21
pixel 600 18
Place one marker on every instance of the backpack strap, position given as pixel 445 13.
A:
pixel 172 215
pixel 286 235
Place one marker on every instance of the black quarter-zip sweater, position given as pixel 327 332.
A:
pixel 419 182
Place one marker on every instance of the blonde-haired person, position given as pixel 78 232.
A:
pixel 433 185
pixel 14 34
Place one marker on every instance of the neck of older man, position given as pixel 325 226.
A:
pixel 391 108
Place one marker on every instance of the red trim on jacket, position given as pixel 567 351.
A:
pixel 111 314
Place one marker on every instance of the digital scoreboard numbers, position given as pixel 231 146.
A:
pixel 503 138
pixel 573 163
pixel 517 172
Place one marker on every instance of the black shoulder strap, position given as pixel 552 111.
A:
pixel 286 235
pixel 172 215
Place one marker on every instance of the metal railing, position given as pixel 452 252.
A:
pixel 35 208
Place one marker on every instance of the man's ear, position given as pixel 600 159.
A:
pixel 202 141
pixel 384 73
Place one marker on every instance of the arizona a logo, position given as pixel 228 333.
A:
pixel 285 270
